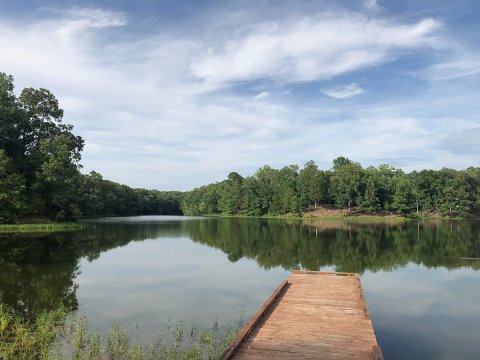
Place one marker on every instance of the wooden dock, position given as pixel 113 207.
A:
pixel 312 315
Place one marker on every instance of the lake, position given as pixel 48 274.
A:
pixel 421 279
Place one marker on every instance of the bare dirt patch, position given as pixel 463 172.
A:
pixel 332 212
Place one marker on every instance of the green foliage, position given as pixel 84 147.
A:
pixel 370 201
pixel 27 341
pixel 285 197
pixel 457 196
pixel 312 185
pixel 29 228
pixel 13 198
pixel 40 163
pixel 103 197
pixel 230 201
pixel 372 190
pixel 403 199
pixel 346 182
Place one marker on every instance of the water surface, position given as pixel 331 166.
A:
pixel 421 279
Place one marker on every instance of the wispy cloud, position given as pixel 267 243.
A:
pixel 344 92
pixel 459 66
pixel 262 95
pixel 312 49
pixel 151 108
pixel 92 17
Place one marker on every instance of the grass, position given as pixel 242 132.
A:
pixel 25 341
pixel 47 227
pixel 54 336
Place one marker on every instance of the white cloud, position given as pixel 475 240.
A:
pixel 135 105
pixel 96 17
pixel 262 95
pixel 148 121
pixel 460 65
pixel 369 137
pixel 344 92
pixel 312 49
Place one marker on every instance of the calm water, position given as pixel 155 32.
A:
pixel 422 280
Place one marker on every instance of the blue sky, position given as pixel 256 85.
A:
pixel 176 94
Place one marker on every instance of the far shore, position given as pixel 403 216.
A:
pixel 343 215
pixel 43 227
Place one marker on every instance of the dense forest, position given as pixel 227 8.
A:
pixel 40 167
pixel 374 190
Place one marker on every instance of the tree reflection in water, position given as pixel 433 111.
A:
pixel 38 271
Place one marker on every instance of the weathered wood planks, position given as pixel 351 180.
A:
pixel 313 315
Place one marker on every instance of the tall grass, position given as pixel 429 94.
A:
pixel 53 336
pixel 27 341
pixel 25 228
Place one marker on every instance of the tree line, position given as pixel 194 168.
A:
pixel 374 190
pixel 40 178
pixel 40 174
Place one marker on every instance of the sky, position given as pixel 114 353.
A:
pixel 172 95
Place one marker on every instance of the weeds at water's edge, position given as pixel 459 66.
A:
pixel 26 228
pixel 54 336
pixel 25 341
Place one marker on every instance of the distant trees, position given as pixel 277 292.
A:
pixel 40 178
pixel 101 197
pixel 40 166
pixel 346 185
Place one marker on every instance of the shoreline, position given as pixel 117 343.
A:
pixel 343 218
pixel 72 226
pixel 33 227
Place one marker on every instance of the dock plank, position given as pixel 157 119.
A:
pixel 313 315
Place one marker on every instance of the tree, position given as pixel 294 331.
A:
pixel 285 199
pixel 310 185
pixel 346 182
pixel 370 200
pixel 473 178
pixel 457 196
pixel 384 179
pixel 209 200
pixel 11 115
pixel 230 201
pixel 340 162
pixel 267 186
pixel 403 199
pixel 13 199
pixel 251 203
pixel 58 176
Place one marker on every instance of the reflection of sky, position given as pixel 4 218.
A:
pixel 425 313
pixel 171 278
